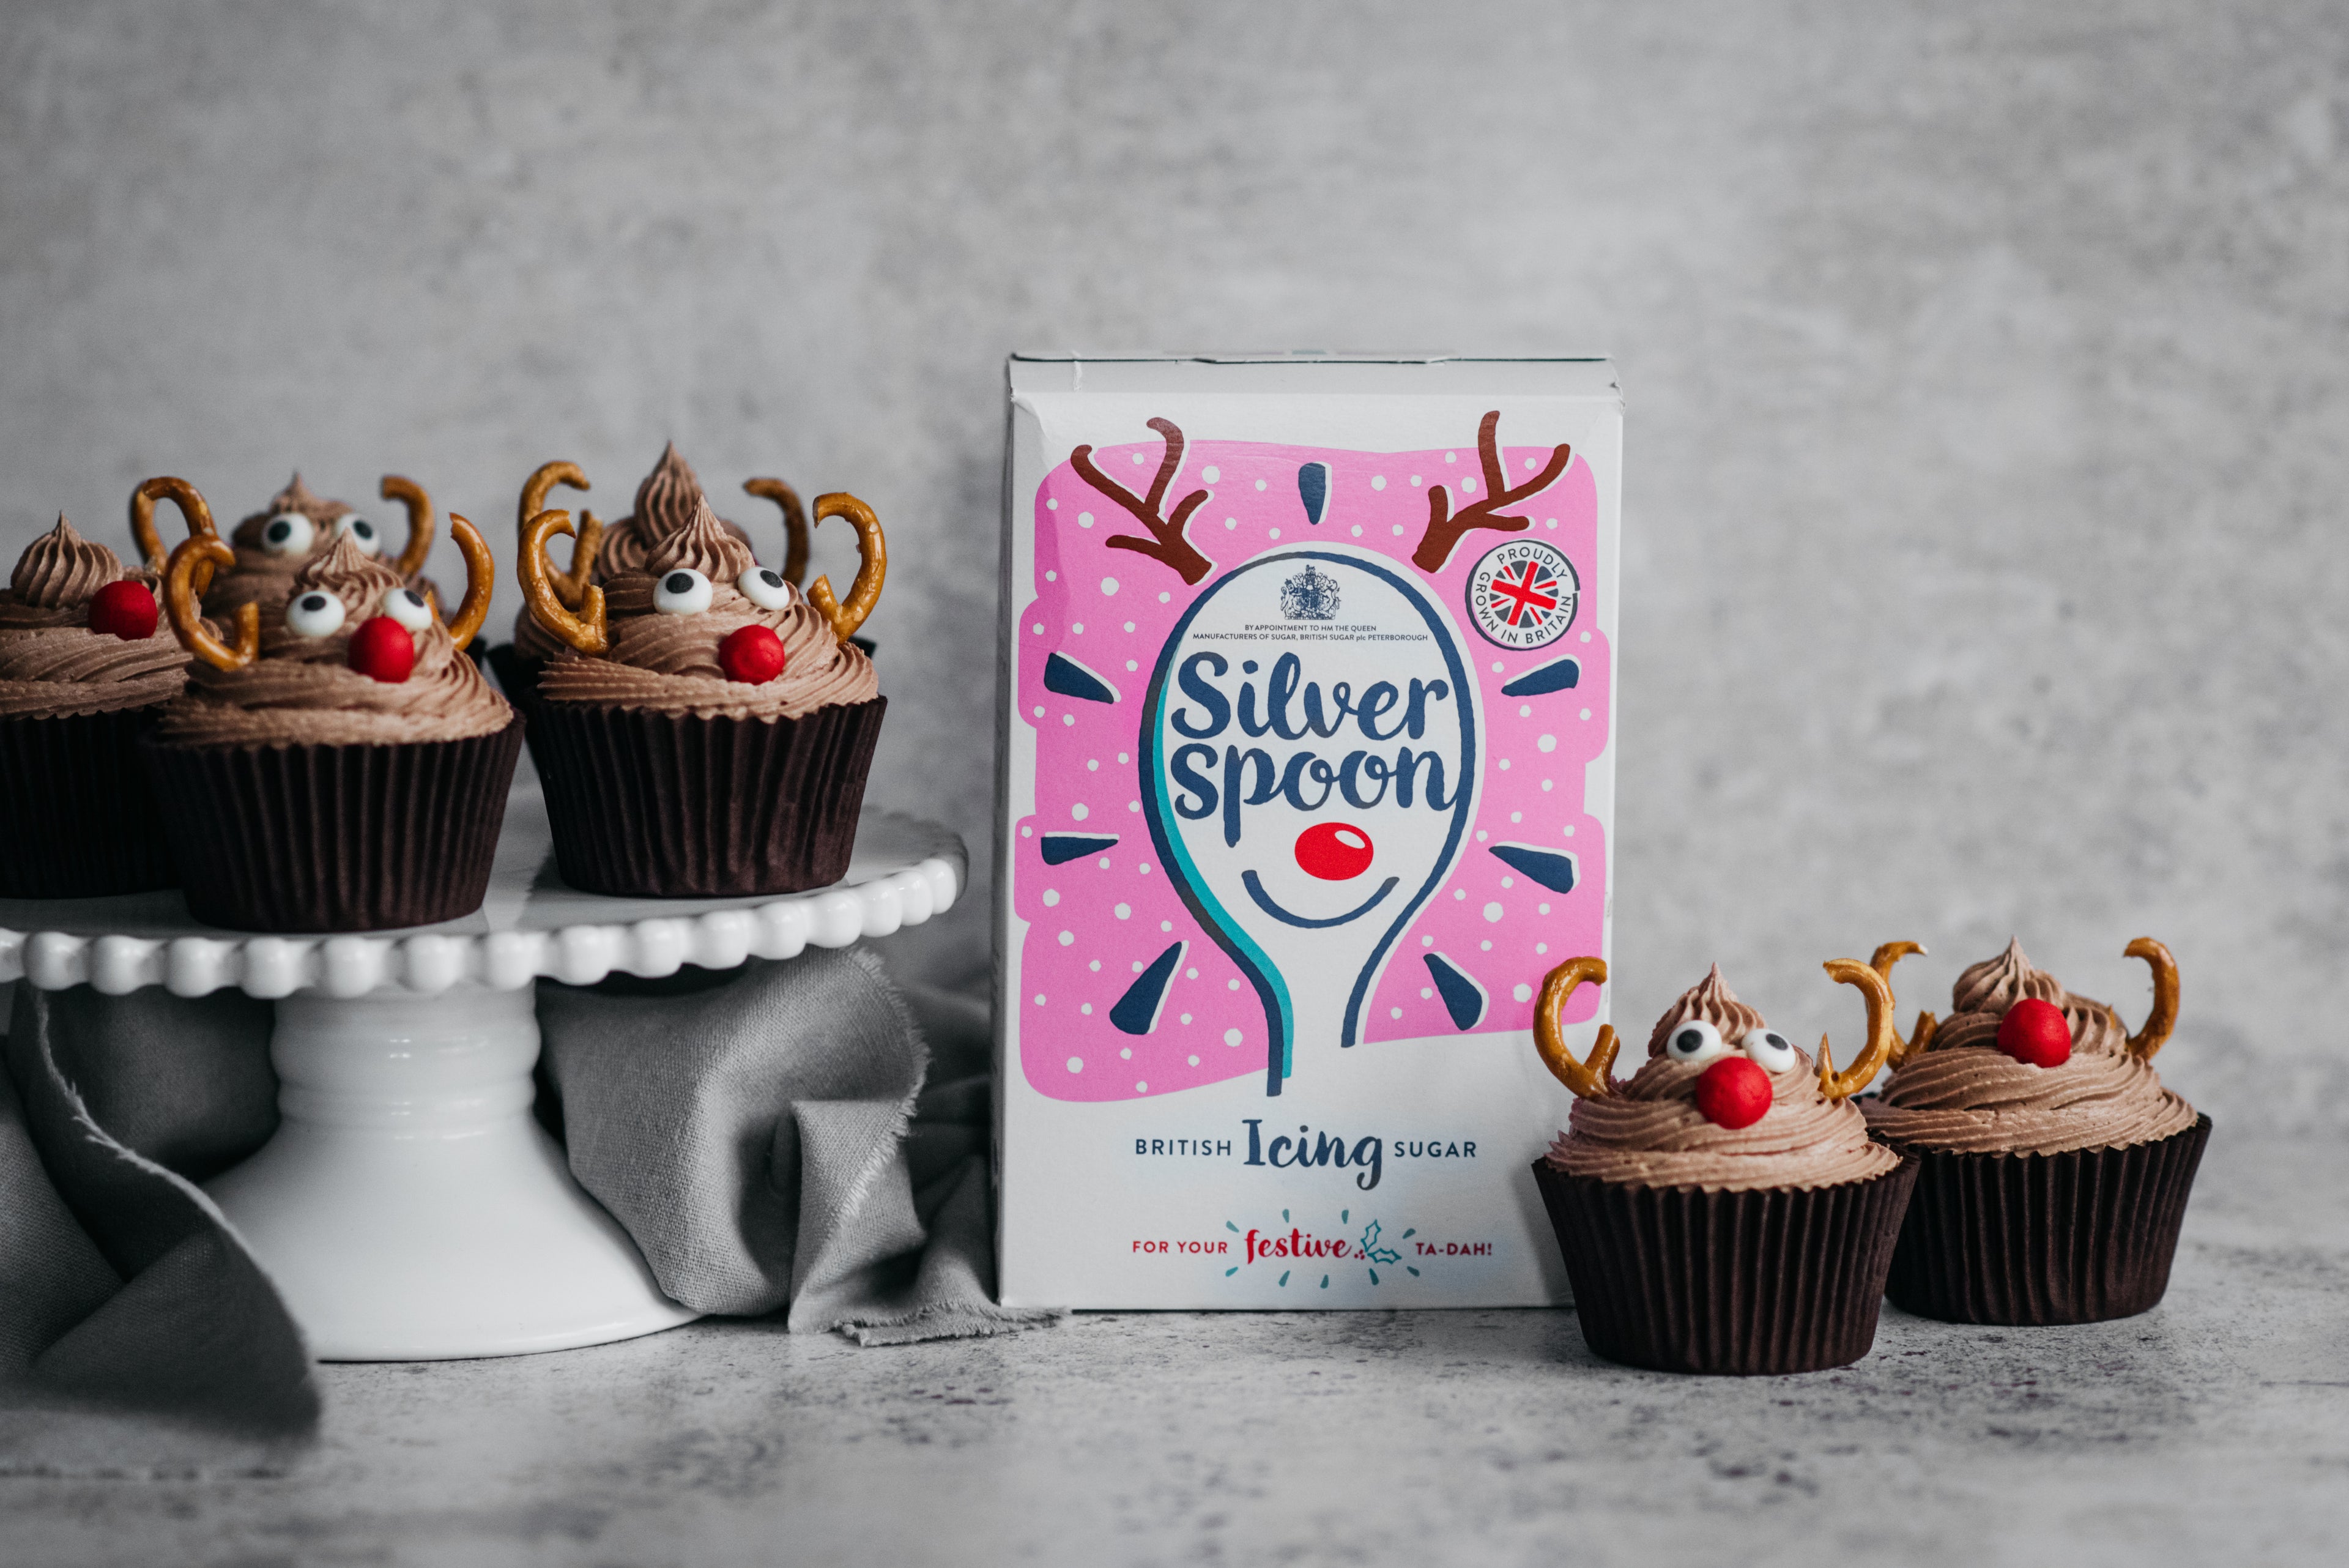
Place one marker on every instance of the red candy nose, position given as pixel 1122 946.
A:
pixel 1734 1093
pixel 124 608
pixel 1334 851
pixel 2036 1033
pixel 752 654
pixel 382 649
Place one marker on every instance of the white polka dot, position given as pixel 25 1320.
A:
pixel 1357 530
pixel 1129 626
pixel 1078 629
pixel 1482 835
pixel 1087 1009
pixel 1525 710
pixel 1211 473
pixel 1378 481
pixel 1126 1054
pixel 1545 786
pixel 1530 465
pixel 1427 942
pixel 1052 897
pixel 1549 742
pixel 1130 665
pixel 1426 993
pixel 1166 598
pixel 1231 985
pixel 1141 458
pixel 1231 1036
pixel 1452 457
pixel 1081 811
pixel 1507 883
pixel 1051 577
pixel 1540 948
pixel 1133 805
pixel 1094 966
pixel 1190 974
pixel 1141 1088
pixel 1505 765
pixel 1496 667
pixel 1586 712
pixel 1541 908
pixel 1070 719
pixel 1165 924
pixel 1067 939
pixel 1231 522
pixel 1259 485
pixel 1492 912
pixel 1394 1012
pixel 1144 867
pixel 1194 1061
pixel 1569 830
pixel 1485 947
pixel 1187 1018
pixel 1551 523
pixel 1038 629
pixel 1040 999
pixel 1586 636
pixel 1124 759
pixel 1460 892
pixel 1109 585
pixel 1040 712
pixel 1517 817
pixel 1030 833
pixel 1124 911
pixel 1272 532
pixel 1092 764
pixel 1414 478
pixel 1084 519
pixel 1103 862
pixel 1052 504
pixel 1468 486
pixel 1522 993
pixel 1076 1064
pixel 1137 966
pixel 1398 530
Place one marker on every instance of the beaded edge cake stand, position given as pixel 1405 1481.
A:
pixel 409 1207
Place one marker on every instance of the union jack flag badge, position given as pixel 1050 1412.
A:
pixel 1522 593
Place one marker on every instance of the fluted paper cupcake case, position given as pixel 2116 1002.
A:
pixel 335 838
pixel 76 812
pixel 2033 1239
pixel 650 805
pixel 1678 1279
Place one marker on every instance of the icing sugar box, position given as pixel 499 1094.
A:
pixel 1306 778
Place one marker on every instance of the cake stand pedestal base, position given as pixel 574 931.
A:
pixel 410 1208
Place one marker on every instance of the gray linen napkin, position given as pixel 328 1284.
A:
pixel 764 1135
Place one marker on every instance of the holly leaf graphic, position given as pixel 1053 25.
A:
pixel 1373 1251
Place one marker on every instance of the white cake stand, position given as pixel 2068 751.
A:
pixel 409 1207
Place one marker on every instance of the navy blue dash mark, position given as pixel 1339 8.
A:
pixel 1463 997
pixel 1136 1012
pixel 1061 846
pixel 1558 675
pixel 1070 678
pixel 1553 869
pixel 1313 489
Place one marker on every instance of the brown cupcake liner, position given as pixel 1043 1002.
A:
pixel 76 810
pixel 1678 1279
pixel 335 838
pixel 517 675
pixel 2032 1240
pixel 650 805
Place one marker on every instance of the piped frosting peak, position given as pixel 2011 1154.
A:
pixel 61 570
pixel 1710 1000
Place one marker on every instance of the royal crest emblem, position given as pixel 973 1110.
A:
pixel 1311 595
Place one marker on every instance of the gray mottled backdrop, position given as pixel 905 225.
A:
pixel 1983 503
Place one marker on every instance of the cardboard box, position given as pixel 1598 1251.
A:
pixel 1305 779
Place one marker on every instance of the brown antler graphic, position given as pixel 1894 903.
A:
pixel 1444 526
pixel 1165 542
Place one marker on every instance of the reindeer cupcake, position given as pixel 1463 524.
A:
pixel 2055 1165
pixel 706 728
pixel 1724 1210
pixel 274 544
pixel 336 762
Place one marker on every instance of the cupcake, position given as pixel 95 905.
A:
pixel 298 526
pixel 84 664
pixel 1724 1210
pixel 665 501
pixel 2054 1166
pixel 706 728
pixel 336 763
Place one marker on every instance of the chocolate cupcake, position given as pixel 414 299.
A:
pixel 1724 1211
pixel 336 763
pixel 274 545
pixel 665 501
pixel 84 665
pixel 2053 1165
pixel 706 729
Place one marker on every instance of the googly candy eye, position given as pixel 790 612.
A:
pixel 764 586
pixel 406 606
pixel 682 592
pixel 1693 1043
pixel 364 533
pixel 1770 1051
pixel 314 614
pixel 288 534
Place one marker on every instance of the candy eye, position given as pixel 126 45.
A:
pixel 682 592
pixel 1694 1043
pixel 764 586
pixel 288 534
pixel 314 614
pixel 369 537
pixel 406 606
pixel 1771 1051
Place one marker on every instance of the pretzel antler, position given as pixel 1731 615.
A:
pixel 192 508
pixel 480 580
pixel 1917 1043
pixel 1592 1079
pixel 2164 1016
pixel 872 565
pixel 1445 527
pixel 207 550
pixel 1166 544
pixel 1843 1085
pixel 570 586
pixel 410 494
pixel 584 631
pixel 795 525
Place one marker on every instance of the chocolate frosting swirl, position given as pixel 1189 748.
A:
pixel 51 663
pixel 1650 1132
pixel 1966 1095
pixel 302 691
pixel 262 578
pixel 669 662
pixel 670 498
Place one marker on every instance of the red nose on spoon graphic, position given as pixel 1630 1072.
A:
pixel 1334 851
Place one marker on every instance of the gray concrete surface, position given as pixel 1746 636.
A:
pixel 2213 1429
pixel 1985 372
